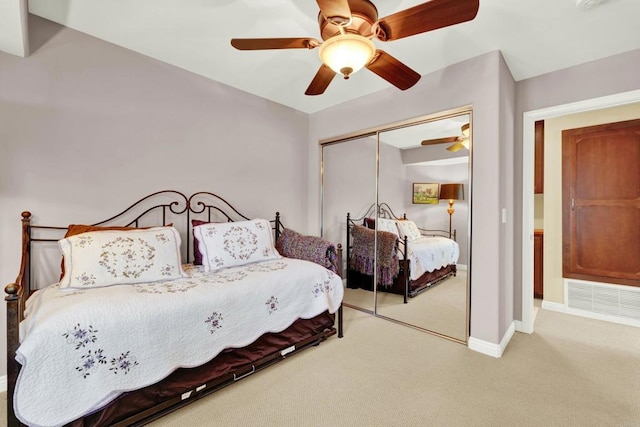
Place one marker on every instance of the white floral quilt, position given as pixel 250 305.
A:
pixel 82 348
pixel 427 254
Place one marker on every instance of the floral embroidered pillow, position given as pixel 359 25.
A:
pixel 105 258
pixel 230 244
pixel 409 229
pixel 74 229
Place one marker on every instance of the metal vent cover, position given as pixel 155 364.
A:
pixel 611 300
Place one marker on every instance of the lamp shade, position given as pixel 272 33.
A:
pixel 451 192
pixel 346 53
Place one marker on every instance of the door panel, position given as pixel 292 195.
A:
pixel 601 203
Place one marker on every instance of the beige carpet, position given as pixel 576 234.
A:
pixel 571 372
pixel 442 308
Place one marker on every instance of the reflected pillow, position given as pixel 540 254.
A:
pixel 229 244
pixel 388 225
pixel 112 257
pixel 409 229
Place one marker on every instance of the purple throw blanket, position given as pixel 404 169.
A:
pixel 292 244
pixel 362 257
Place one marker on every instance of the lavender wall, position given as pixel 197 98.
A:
pixel 354 193
pixel 87 128
pixel 473 82
pixel 391 178
pixel 608 76
pixel 507 100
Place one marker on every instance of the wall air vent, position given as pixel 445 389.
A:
pixel 610 300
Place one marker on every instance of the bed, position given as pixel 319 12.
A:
pixel 409 260
pixel 127 332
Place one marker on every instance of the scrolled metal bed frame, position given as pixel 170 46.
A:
pixel 169 206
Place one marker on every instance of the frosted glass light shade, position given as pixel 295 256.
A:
pixel 465 130
pixel 347 53
pixel 465 135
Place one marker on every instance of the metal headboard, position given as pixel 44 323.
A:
pixel 161 208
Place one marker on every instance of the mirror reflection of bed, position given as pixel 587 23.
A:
pixel 441 308
pixel 404 258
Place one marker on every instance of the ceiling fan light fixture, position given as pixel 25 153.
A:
pixel 465 130
pixel 347 53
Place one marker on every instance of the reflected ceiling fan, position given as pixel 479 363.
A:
pixel 459 142
pixel 347 27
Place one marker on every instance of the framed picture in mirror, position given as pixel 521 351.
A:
pixel 425 193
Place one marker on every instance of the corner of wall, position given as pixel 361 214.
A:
pixel 491 349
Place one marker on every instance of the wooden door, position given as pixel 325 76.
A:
pixel 601 203
pixel 538 168
pixel 538 264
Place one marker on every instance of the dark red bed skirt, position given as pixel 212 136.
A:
pixel 184 380
pixel 357 280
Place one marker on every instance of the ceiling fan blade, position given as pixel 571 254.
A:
pixel 447 139
pixel 336 11
pixel 282 43
pixel 425 17
pixel 321 81
pixel 392 70
pixel 456 147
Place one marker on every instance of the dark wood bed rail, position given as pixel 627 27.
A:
pixel 199 204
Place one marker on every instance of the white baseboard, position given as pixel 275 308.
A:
pixel 518 325
pixel 3 383
pixel 554 306
pixel 491 349
pixel 561 308
pixel 461 267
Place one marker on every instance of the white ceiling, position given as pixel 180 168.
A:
pixel 534 36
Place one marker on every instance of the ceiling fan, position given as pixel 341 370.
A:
pixel 459 142
pixel 347 27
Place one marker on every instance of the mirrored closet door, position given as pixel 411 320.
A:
pixel 349 189
pixel 414 183
pixel 406 258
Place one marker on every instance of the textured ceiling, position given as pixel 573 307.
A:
pixel 534 36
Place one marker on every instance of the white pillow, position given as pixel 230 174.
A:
pixel 409 229
pixel 103 258
pixel 229 244
pixel 389 225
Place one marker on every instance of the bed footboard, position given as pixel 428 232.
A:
pixel 13 368
pixel 17 294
